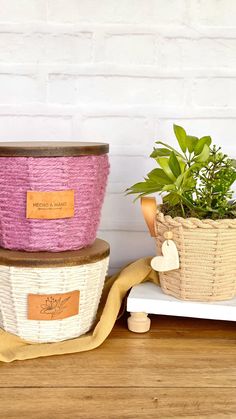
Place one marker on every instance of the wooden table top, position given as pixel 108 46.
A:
pixel 181 368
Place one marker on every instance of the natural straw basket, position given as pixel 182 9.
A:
pixel 51 194
pixel 43 275
pixel 207 252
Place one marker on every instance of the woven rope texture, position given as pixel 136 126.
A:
pixel 207 251
pixel 16 283
pixel 86 175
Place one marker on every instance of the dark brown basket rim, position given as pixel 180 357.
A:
pixel 52 149
pixel 99 250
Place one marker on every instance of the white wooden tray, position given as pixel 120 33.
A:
pixel 148 298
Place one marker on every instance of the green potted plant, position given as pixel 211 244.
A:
pixel 198 211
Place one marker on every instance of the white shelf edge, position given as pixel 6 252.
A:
pixel 148 299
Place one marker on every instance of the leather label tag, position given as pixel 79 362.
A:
pixel 53 306
pixel 50 205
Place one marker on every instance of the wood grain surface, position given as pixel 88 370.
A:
pixel 51 149
pixel 181 368
pixel 99 250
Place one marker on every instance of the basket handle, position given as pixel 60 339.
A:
pixel 149 210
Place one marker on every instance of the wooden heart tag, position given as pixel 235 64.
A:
pixel 170 259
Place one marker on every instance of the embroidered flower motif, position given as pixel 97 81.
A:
pixel 53 306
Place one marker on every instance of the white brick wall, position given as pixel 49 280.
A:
pixel 23 10
pixel 122 72
pixel 73 89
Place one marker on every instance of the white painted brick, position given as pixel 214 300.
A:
pixel 196 53
pixel 111 11
pixel 127 170
pixel 22 11
pixel 127 246
pixel 171 12
pixel 130 49
pixel 33 128
pixel 126 135
pixel 214 12
pixel 126 214
pixel 22 88
pixel 216 92
pixel 61 89
pixel 45 47
pixel 119 90
pixel 72 48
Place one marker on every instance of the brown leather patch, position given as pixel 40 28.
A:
pixel 50 205
pixel 53 306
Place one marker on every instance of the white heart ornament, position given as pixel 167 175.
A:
pixel 170 259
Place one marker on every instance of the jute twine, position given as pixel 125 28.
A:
pixel 207 251
pixel 86 175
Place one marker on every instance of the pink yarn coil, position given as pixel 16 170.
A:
pixel 86 175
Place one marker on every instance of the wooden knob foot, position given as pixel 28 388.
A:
pixel 139 322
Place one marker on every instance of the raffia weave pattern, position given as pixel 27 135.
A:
pixel 16 283
pixel 207 251
pixel 86 175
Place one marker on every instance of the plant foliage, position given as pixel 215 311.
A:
pixel 195 180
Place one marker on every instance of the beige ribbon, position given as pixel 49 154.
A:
pixel 149 210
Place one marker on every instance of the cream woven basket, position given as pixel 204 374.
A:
pixel 32 284
pixel 207 253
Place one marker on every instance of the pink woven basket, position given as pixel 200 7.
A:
pixel 81 168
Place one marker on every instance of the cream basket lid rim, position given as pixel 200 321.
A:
pixel 99 250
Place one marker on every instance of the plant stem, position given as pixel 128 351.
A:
pixel 182 209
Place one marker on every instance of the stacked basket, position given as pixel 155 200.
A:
pixel 52 267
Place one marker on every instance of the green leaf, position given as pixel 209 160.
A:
pixel 189 184
pixel 204 155
pixel 143 194
pixel 208 139
pixel 169 188
pixel 182 165
pixel 144 187
pixel 233 162
pixel 160 152
pixel 171 148
pixel 172 198
pixel 164 163
pixel 191 142
pixel 174 164
pixel 189 204
pixel 159 176
pixel 200 144
pixel 179 180
pixel 195 167
pixel 181 136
